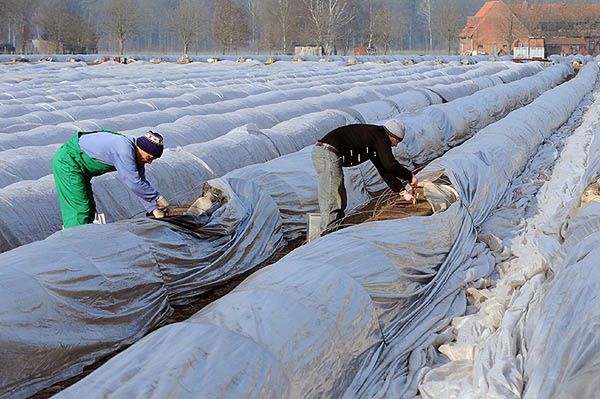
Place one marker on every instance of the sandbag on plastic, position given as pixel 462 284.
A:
pixel 68 300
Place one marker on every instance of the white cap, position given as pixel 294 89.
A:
pixel 395 128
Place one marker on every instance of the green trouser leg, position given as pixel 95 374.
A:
pixel 73 170
pixel 75 195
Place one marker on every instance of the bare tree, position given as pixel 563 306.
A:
pixel 122 20
pixel 252 9
pixel 386 28
pixel 371 23
pixel 16 21
pixel 188 20
pixel 426 12
pixel 280 12
pixel 55 22
pixel 328 18
pixel 449 22
pixel 230 25
pixel 59 23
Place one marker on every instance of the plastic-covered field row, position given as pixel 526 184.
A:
pixel 531 333
pixel 352 313
pixel 55 81
pixel 263 110
pixel 229 245
pixel 181 172
pixel 217 101
pixel 250 59
pixel 183 92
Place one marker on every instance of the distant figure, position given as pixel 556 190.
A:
pixel 90 154
pixel 350 146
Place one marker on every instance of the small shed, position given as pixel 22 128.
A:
pixel 304 50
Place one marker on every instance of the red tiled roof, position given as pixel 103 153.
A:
pixel 566 41
pixel 569 12
pixel 549 20
pixel 473 22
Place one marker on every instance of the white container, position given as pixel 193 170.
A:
pixel 313 230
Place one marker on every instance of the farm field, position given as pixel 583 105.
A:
pixel 462 292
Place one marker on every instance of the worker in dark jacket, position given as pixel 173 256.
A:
pixel 350 146
pixel 90 154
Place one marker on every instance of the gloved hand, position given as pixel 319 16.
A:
pixel 162 203
pixel 158 214
pixel 162 207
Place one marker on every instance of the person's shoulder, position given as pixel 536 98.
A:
pixel 124 143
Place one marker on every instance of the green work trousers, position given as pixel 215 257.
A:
pixel 73 170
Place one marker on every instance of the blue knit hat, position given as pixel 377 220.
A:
pixel 151 142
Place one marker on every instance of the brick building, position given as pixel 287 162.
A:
pixel 567 28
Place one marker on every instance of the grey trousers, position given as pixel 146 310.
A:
pixel 332 193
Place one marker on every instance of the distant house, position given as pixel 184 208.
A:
pixel 308 49
pixel 567 28
pixel 39 46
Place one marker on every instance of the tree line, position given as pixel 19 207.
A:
pixel 230 26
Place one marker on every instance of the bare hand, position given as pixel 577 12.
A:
pixel 414 182
pixel 407 196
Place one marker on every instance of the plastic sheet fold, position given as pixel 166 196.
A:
pixel 68 300
pixel 407 288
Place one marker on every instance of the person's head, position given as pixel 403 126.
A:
pixel 148 147
pixel 395 131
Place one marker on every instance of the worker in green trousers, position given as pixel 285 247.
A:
pixel 90 154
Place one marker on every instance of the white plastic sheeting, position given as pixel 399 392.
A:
pixel 67 300
pixel 26 163
pixel 76 60
pixel 353 313
pixel 178 174
pixel 545 296
pixel 207 79
pixel 481 170
pixel 234 102
pixel 431 131
pixel 292 183
pixel 47 135
pixel 77 351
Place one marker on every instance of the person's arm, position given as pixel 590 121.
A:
pixel 388 165
pixel 135 179
pixel 394 183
